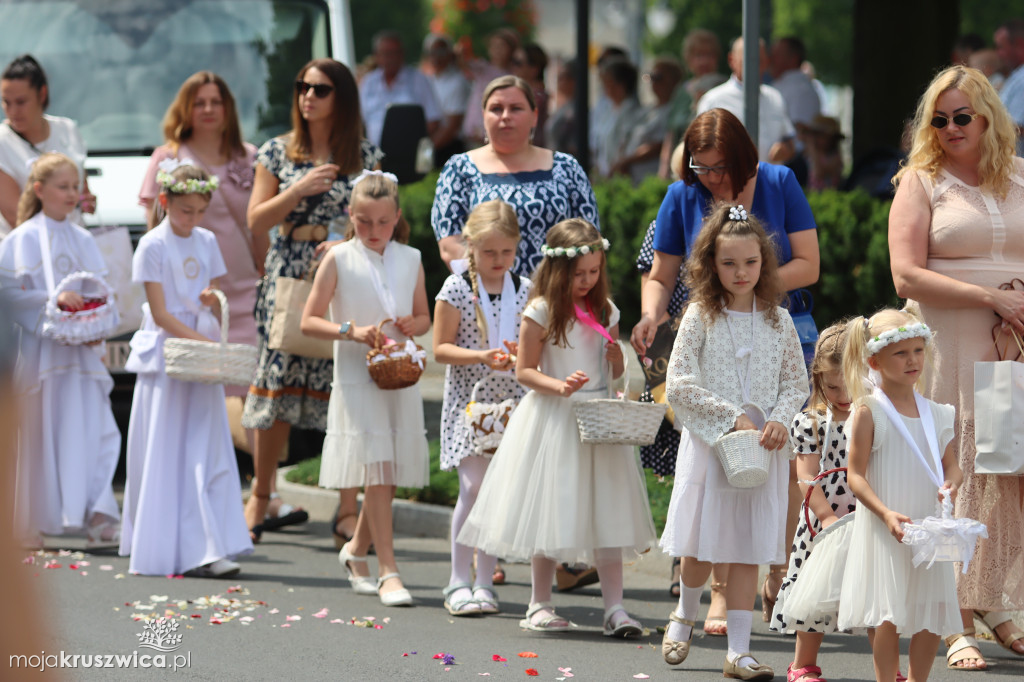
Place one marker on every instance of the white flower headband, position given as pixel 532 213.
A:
pixel 370 173
pixel 901 333
pixel 169 184
pixel 738 213
pixel 573 251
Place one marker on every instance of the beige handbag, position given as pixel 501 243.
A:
pixel 285 333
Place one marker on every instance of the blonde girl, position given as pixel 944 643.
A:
pixel 900 456
pixel 476 323
pixel 68 443
pixel 736 364
pixel 818 437
pixel 375 438
pixel 546 496
pixel 181 511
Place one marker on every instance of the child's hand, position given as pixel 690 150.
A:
pixel 208 299
pixel 324 247
pixel 894 522
pixel 406 325
pixel 953 487
pixel 496 359
pixel 743 423
pixel 613 352
pixel 367 335
pixel 774 436
pixel 513 347
pixel 573 383
pixel 71 301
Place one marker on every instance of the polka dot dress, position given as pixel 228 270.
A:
pixel 459 380
pixel 806 436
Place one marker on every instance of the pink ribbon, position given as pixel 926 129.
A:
pixel 590 320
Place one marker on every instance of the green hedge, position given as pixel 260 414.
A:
pixel 852 227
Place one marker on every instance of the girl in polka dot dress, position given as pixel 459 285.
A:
pixel 476 323
pixel 818 438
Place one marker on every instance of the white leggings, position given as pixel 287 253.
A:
pixel 471 475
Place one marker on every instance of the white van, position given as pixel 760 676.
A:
pixel 114 66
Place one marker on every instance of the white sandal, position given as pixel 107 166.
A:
pixel 400 597
pixel 627 627
pixel 463 606
pixel 361 584
pixel 545 624
pixel 96 532
pixel 487 598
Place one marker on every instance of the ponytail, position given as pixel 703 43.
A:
pixel 855 366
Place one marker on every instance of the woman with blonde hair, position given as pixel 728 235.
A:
pixel 952 243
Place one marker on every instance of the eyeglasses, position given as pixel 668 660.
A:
pixel 961 120
pixel 718 171
pixel 320 90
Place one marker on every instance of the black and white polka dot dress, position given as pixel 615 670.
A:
pixel 460 379
pixel 806 436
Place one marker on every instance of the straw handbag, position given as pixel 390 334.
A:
pixel 393 366
pixel 285 328
pixel 490 406
pixel 211 363
pixel 97 320
pixel 744 460
pixel 616 421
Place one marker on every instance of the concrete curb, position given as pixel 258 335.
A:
pixel 410 518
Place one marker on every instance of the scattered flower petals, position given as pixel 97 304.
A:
pixel 83 573
pixel 498 658
pixel 484 674
pixel 158 598
pixel 567 672
pixel 73 567
pixel 641 676
pixel 438 656
pixel 378 627
pixel 273 611
pixel 322 613
pixel 246 619
pixel 235 588
pixel 402 654
pixel 386 620
pixel 448 659
pixel 370 618
pixel 106 567
pixel 29 560
pixel 83 563
pixel 51 563
pixel 286 625
pixel 339 620
pixel 119 576
pixel 532 672
pixel 527 654
pixel 290 618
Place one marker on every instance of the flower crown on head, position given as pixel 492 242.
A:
pixel 573 251
pixel 369 173
pixel 901 333
pixel 738 212
pixel 170 184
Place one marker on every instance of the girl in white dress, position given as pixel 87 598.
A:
pixel 895 470
pixel 736 358
pixel 375 437
pixel 68 443
pixel 476 322
pixel 818 437
pixel 546 496
pixel 181 502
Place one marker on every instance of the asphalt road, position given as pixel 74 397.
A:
pixel 289 616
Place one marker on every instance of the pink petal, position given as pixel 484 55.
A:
pixel 641 676
pixel 106 567
pixel 337 620
pixel 293 618
pixel 322 613
pixel 286 625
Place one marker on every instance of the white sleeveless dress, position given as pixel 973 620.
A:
pixel 374 437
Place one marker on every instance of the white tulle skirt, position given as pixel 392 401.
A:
pixel 374 437
pixel 546 493
pixel 813 600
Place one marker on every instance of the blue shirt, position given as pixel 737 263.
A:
pixel 779 203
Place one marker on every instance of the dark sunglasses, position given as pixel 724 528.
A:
pixel 961 120
pixel 320 90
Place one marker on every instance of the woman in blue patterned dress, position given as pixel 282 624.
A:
pixel 303 182
pixel 543 186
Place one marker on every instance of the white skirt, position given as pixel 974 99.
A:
pixel 546 493
pixel 183 498
pixel 714 521
pixel 812 602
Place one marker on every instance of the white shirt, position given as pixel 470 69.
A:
pixel 1012 94
pixel 773 123
pixel 799 94
pixel 452 90
pixel 16 153
pixel 409 87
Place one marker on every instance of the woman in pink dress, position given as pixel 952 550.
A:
pixel 202 125
pixel 956 233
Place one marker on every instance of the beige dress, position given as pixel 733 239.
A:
pixel 978 238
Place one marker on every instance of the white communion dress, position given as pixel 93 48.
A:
pixel 545 492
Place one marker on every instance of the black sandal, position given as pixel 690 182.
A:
pixel 256 532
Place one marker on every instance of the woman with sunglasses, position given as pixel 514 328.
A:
pixel 302 183
pixel 719 163
pixel 954 237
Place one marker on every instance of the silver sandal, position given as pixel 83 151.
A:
pixel 464 606
pixel 545 624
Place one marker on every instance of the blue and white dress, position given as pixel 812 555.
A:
pixel 541 199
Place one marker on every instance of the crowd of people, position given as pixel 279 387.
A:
pixel 527 304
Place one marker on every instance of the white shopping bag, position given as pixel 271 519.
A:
pixel 115 244
pixel 999 417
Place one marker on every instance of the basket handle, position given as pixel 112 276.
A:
pixel 807 496
pixel 223 300
pixel 377 340
pixel 493 374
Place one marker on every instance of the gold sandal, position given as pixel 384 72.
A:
pixel 993 619
pixel 767 602
pixel 672 651
pixel 957 644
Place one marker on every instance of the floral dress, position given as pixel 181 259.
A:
pixel 806 438
pixel 541 199
pixel 293 388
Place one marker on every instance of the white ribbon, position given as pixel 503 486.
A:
pixel 369 173
pixel 384 289
pixel 410 349
pixel 745 352
pixel 506 328
pixel 927 423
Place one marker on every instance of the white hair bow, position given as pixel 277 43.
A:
pixel 368 173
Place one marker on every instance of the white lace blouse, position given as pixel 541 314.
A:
pixel 703 384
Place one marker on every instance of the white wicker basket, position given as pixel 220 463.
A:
pixel 744 460
pixel 618 421
pixel 211 363
pixel 74 328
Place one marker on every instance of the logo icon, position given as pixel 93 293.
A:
pixel 160 634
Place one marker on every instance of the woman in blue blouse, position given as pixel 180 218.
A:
pixel 719 163
pixel 543 186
